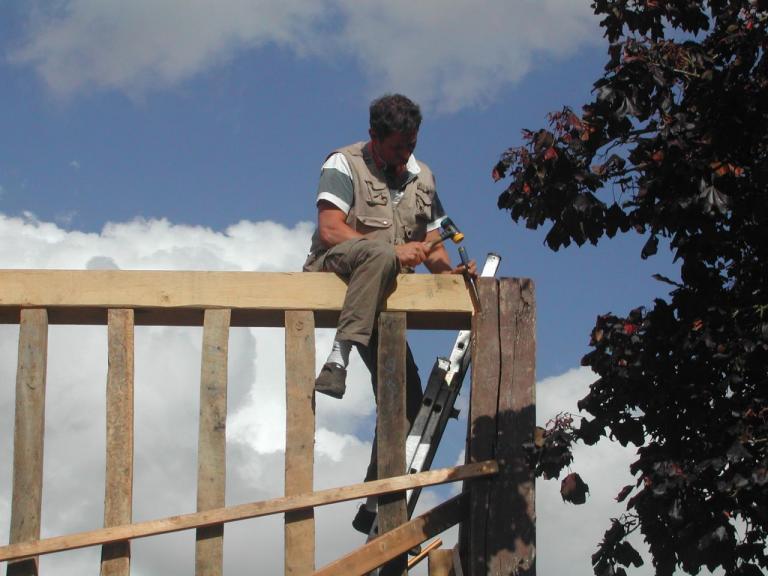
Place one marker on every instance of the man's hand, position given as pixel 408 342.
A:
pixel 412 253
pixel 471 269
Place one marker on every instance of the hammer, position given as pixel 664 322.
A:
pixel 450 230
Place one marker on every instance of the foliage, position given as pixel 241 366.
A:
pixel 674 145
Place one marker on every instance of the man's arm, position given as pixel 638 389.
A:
pixel 438 260
pixel 333 229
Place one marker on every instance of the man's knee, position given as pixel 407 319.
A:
pixel 378 255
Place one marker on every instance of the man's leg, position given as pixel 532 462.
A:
pixel 371 269
pixel 413 399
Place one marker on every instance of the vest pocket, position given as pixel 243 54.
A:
pixel 423 205
pixel 376 193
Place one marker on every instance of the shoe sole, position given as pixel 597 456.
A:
pixel 331 393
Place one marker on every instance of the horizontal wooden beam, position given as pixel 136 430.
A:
pixel 245 511
pixel 256 298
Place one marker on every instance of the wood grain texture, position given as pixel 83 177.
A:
pixel 173 297
pixel 482 417
pixel 300 439
pixel 398 541
pixel 512 519
pixel 391 426
pixel 118 488
pixel 441 563
pixel 245 511
pixel 212 446
pixel 28 435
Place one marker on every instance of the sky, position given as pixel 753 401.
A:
pixel 189 135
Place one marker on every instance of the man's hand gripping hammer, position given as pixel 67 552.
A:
pixel 450 230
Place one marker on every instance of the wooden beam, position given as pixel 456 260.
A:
pixel 398 541
pixel 511 543
pixel 28 434
pixel 245 511
pixel 391 426
pixel 212 440
pixel 118 485
pixel 300 439
pixel 168 298
pixel 425 551
pixel 482 416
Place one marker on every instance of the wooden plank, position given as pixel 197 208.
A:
pixel 398 541
pixel 391 426
pixel 29 427
pixel 300 439
pixel 482 416
pixel 425 550
pixel 435 296
pixel 441 563
pixel 245 511
pixel 118 488
pixel 212 441
pixel 512 519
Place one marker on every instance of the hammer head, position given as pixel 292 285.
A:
pixel 450 230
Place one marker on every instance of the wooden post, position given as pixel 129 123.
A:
pixel 29 426
pixel 300 439
pixel 512 517
pixel 441 563
pixel 482 418
pixel 118 497
pixel 391 426
pixel 211 450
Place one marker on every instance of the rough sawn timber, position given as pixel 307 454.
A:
pixel 437 301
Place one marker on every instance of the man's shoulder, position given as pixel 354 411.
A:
pixel 355 149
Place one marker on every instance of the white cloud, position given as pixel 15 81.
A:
pixel 448 55
pixel 166 398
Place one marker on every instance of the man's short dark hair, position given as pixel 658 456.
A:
pixel 394 113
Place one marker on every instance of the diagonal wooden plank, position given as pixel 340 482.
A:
pixel 482 416
pixel 391 425
pixel 211 449
pixel 245 511
pixel 300 439
pixel 118 497
pixel 28 433
pixel 512 519
pixel 397 542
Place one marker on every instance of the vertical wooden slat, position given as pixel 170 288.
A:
pixel 512 521
pixel 441 563
pixel 391 425
pixel 118 498
pixel 28 435
pixel 482 417
pixel 300 439
pixel 211 449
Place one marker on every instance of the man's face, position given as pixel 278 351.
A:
pixel 395 149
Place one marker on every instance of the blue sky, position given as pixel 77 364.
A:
pixel 180 120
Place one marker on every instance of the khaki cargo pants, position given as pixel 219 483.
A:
pixel 370 269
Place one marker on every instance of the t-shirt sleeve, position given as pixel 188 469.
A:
pixel 335 184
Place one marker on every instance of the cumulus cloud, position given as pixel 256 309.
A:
pixel 448 55
pixel 167 397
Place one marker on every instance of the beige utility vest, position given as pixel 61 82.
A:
pixel 373 213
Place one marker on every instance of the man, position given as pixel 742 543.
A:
pixel 378 214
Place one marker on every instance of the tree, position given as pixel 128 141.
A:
pixel 673 145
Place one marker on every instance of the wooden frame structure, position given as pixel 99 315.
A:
pixel 495 511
